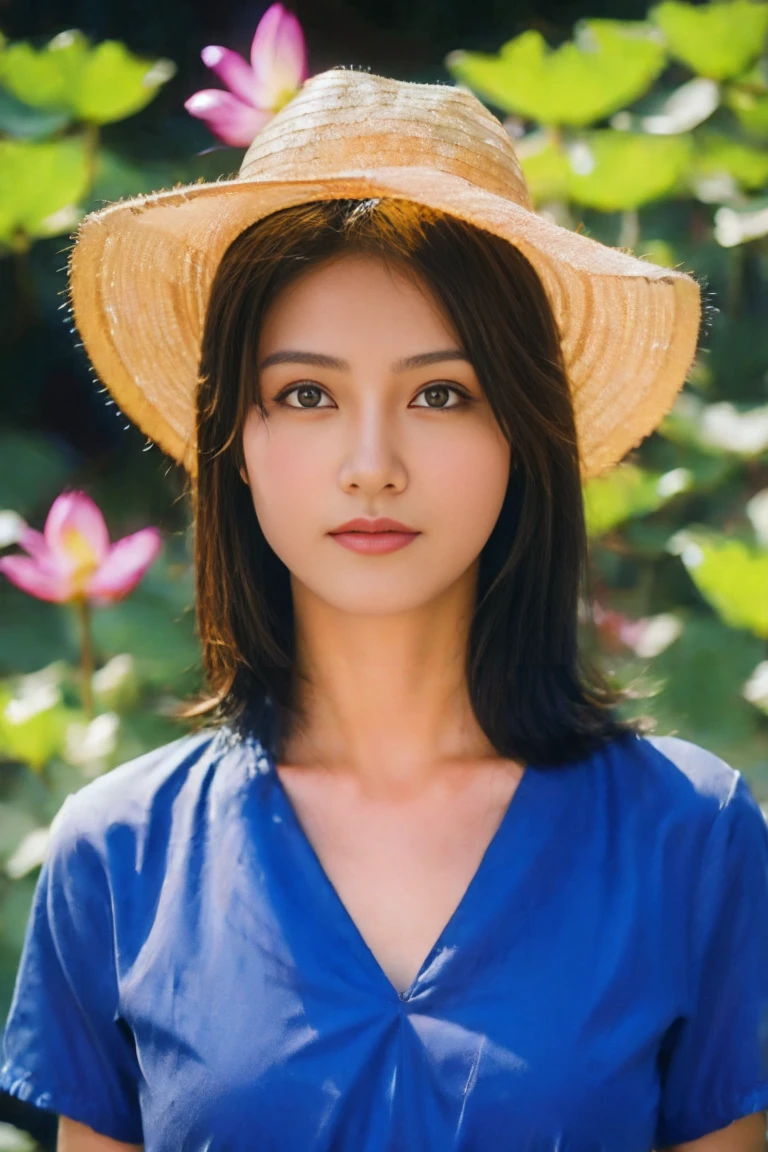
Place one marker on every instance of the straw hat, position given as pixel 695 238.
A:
pixel 140 270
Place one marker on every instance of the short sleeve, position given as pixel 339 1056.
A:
pixel 65 1048
pixel 714 1059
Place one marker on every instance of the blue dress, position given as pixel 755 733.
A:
pixel 191 980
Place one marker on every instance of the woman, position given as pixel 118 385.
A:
pixel 416 885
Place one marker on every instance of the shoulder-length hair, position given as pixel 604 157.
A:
pixel 534 692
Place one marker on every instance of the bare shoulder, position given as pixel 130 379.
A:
pixel 76 1137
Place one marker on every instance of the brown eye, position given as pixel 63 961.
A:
pixel 436 395
pixel 304 392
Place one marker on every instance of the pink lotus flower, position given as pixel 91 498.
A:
pixel 277 70
pixel 72 558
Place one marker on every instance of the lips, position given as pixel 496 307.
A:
pixel 374 543
pixel 379 525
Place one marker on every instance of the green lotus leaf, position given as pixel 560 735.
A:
pixel 717 40
pixel 616 171
pixel 45 77
pixel 115 83
pixel 627 492
pixel 41 183
pixel 545 167
pixel 98 84
pixel 746 163
pixel 609 64
pixel 750 109
pixel 730 574
pixel 748 100
pixel 35 738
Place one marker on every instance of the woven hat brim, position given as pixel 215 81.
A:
pixel 140 273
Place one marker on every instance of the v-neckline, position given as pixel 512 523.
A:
pixel 512 811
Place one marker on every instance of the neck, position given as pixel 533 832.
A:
pixel 384 697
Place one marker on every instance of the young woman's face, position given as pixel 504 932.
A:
pixel 362 434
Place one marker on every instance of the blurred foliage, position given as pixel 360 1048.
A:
pixel 608 64
pixel 56 101
pixel 629 491
pixel 719 40
pixel 653 135
pixel 731 574
pixel 40 182
pixel 649 134
pixel 92 84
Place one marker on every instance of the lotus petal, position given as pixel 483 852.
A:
pixel 127 562
pixel 31 577
pixel 227 117
pixel 233 71
pixel 75 530
pixel 36 545
pixel 278 57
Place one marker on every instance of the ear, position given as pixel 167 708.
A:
pixel 244 477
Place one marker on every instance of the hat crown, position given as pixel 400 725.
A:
pixel 344 121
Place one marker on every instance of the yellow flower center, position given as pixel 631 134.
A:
pixel 83 556
pixel 283 97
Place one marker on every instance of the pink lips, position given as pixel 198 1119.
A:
pixel 375 542
pixel 374 536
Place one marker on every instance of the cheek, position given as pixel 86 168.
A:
pixel 284 485
pixel 285 480
pixel 468 480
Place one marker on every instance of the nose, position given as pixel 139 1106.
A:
pixel 372 457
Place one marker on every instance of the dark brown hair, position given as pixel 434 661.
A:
pixel 534 693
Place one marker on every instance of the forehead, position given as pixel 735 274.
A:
pixel 353 295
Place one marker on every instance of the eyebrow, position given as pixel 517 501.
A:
pixel 320 360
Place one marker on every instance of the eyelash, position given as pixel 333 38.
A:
pixel 464 397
